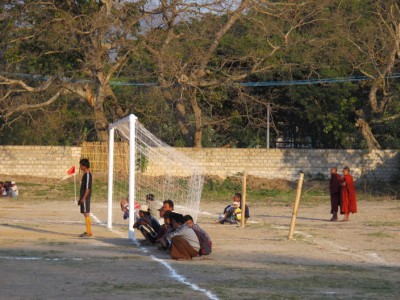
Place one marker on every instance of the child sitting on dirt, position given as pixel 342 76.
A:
pixel 125 208
pixel 232 214
pixel 238 198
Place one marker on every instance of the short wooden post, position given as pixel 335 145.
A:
pixel 244 192
pixel 296 206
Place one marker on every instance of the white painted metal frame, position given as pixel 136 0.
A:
pixel 132 160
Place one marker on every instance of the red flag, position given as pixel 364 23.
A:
pixel 71 171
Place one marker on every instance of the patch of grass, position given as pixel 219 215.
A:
pixel 294 281
pixel 222 191
pixel 254 196
pixel 259 225
pixel 122 287
pixel 269 196
pixel 21 253
pixel 61 191
pixel 41 193
pixel 383 223
pixel 380 234
pixel 394 250
pixel 299 237
pixel 28 184
pixel 107 286
pixel 52 243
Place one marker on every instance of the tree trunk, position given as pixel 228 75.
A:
pixel 198 134
pixel 366 132
pixel 183 122
pixel 100 122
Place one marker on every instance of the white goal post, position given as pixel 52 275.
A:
pixel 140 164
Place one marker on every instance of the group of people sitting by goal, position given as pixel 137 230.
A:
pixel 8 189
pixel 179 235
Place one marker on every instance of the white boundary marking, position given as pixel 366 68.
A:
pixel 173 273
pixel 36 258
pixel 370 257
pixel 183 280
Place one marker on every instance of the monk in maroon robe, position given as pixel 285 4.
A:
pixel 348 193
pixel 334 189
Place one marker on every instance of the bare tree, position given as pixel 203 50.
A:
pixel 193 59
pixel 374 37
pixel 79 45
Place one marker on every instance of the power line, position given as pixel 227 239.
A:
pixel 245 84
pixel 313 81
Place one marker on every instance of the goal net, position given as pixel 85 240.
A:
pixel 140 164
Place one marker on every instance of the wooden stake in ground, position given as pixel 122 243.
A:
pixel 296 206
pixel 244 192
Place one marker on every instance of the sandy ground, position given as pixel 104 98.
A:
pixel 42 257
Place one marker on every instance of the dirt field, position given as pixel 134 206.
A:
pixel 42 257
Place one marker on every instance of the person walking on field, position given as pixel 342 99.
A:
pixel 85 195
pixel 334 189
pixel 348 195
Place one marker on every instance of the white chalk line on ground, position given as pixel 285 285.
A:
pixel 38 258
pixel 173 273
pixel 371 257
pixel 42 221
pixel 183 280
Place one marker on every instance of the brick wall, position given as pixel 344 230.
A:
pixel 287 163
pixel 40 161
pixel 54 162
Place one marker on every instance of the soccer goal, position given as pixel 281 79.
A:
pixel 140 164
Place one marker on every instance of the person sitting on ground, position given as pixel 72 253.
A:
pixel 168 206
pixel 204 238
pixel 165 229
pixel 125 208
pixel 147 224
pixel 232 214
pixel 182 243
pixel 7 185
pixel 237 197
pixel 152 203
pixel 3 191
pixel 13 190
